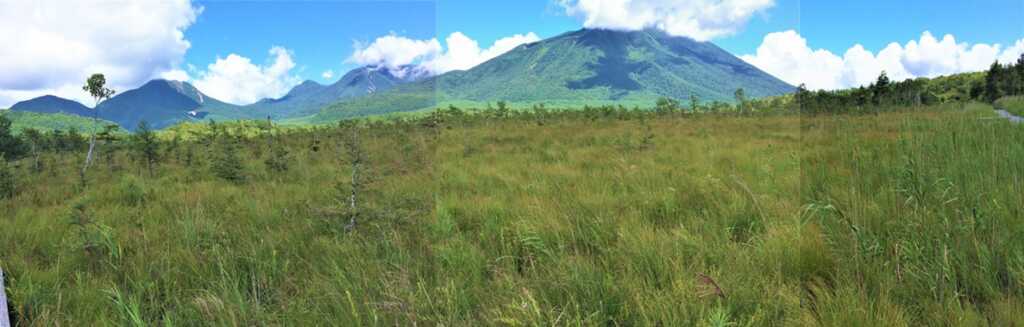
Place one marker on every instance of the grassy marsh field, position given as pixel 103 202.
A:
pixel 900 219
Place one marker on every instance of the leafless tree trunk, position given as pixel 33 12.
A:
pixel 92 138
pixel 356 156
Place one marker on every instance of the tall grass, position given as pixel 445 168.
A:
pixel 891 219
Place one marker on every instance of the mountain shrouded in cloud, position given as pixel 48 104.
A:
pixel 403 55
pixel 53 45
pixel 701 20
pixel 788 56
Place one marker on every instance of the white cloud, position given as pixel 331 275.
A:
pixel 465 53
pixel 235 79
pixel 701 20
pixel 394 51
pixel 462 53
pixel 175 75
pixel 69 91
pixel 328 74
pixel 787 56
pixel 52 46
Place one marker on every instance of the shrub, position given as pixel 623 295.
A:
pixel 147 146
pixel 6 179
pixel 131 192
pixel 278 158
pixel 226 163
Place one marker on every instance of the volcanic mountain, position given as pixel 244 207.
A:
pixel 588 66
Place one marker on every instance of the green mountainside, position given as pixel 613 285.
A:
pixel 45 122
pixel 588 66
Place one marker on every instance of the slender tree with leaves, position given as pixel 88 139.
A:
pixel 96 86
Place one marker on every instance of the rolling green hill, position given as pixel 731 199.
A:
pixel 583 67
pixel 21 120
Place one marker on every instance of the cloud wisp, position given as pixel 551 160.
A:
pixel 403 55
pixel 702 20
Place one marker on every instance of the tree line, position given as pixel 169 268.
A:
pixel 1004 80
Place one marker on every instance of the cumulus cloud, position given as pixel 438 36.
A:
pixel 788 56
pixel 402 55
pixel 53 45
pixel 327 74
pixel 393 51
pixel 701 20
pixel 236 79
pixel 465 53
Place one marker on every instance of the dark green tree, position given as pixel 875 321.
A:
pixel 226 163
pixel 278 157
pixel 6 180
pixel 880 89
pixel 10 146
pixel 993 82
pixel 146 146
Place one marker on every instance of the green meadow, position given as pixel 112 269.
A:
pixel 908 217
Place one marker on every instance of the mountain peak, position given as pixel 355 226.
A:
pixel 308 83
pixel 52 104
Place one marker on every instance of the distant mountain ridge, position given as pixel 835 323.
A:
pixel 309 97
pixel 587 66
pixel 162 103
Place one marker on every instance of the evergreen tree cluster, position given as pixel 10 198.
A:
pixel 1004 80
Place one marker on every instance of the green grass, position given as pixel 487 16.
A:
pixel 21 120
pixel 1012 104
pixel 905 218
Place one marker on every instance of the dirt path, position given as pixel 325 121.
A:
pixel 5 321
pixel 1008 115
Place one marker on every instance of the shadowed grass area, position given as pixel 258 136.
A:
pixel 892 219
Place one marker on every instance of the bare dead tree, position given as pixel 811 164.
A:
pixel 355 156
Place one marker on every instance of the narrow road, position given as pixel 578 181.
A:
pixel 1008 115
pixel 5 320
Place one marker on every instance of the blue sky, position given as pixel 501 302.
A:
pixel 321 33
pixel 242 51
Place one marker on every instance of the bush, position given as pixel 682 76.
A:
pixel 6 179
pixel 147 146
pixel 226 163
pixel 278 158
pixel 10 146
pixel 131 192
